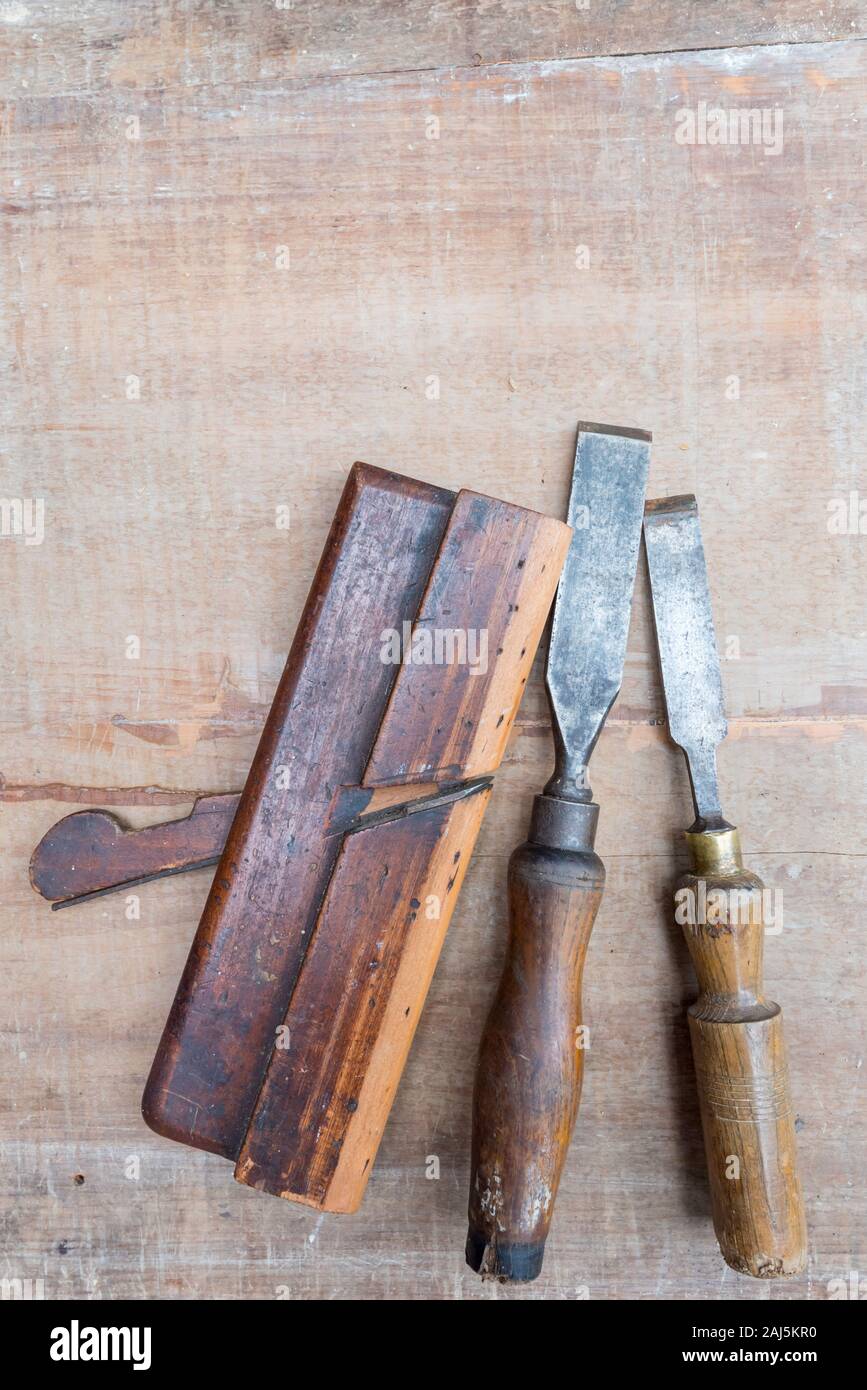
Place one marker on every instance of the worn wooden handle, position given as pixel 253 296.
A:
pixel 740 1063
pixel 528 1083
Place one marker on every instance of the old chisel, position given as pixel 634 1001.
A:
pixel 528 1082
pixel 737 1034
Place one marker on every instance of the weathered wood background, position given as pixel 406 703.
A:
pixel 233 260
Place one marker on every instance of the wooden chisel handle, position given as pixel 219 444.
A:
pixel 740 1064
pixel 530 1069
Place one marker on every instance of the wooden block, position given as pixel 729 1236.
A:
pixel 318 735
pixel 492 577
pixel 297 902
pixel 325 1099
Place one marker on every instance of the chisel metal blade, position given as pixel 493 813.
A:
pixel 591 611
pixel 687 646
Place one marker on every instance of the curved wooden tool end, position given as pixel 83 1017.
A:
pixel 92 852
pixel 68 859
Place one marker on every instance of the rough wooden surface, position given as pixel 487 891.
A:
pixel 409 259
pixel 94 45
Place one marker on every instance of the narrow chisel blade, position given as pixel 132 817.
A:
pixel 591 612
pixel 687 646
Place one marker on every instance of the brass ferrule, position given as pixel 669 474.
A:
pixel 715 851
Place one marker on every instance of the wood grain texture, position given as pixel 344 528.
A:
pixel 455 258
pixel 633 1206
pixel 740 1064
pixel 373 955
pixel 248 949
pixel 293 926
pixel 747 1118
pixel 99 45
pixel 531 1060
pixel 490 593
pixel 91 851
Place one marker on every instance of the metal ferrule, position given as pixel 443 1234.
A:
pixel 715 851
pixel 563 824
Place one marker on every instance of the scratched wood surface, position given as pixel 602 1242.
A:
pixel 234 259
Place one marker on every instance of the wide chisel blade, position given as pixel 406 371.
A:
pixel 591 612
pixel 531 1059
pixel 687 646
